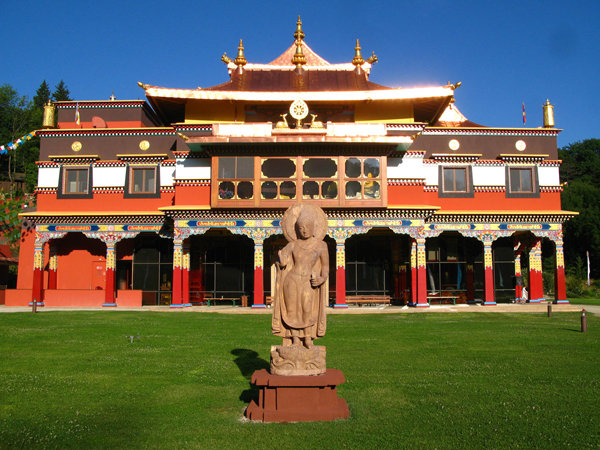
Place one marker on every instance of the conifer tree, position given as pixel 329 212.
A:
pixel 61 93
pixel 42 95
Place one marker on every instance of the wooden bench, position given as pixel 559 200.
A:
pixel 368 299
pixel 450 298
pixel 214 300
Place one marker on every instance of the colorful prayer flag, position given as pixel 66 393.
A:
pixel 78 118
pixel 524 118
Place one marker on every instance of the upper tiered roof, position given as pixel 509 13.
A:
pixel 300 73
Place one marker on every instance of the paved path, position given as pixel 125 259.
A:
pixel 500 308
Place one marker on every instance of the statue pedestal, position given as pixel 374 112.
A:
pixel 298 360
pixel 298 398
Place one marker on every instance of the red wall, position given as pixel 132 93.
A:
pixel 192 195
pixel 482 201
pixel 104 202
pixel 76 254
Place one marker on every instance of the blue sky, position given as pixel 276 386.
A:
pixel 504 52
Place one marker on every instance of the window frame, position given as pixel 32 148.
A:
pixel 63 193
pixel 535 186
pixel 130 193
pixel 299 179
pixel 469 190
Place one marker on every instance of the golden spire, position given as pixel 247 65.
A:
pixel 241 59
pixel 358 59
pixel 299 59
pixel 299 34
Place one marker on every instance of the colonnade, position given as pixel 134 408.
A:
pixel 417 271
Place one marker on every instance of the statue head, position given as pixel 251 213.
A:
pixel 305 226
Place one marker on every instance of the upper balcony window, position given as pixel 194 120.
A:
pixel 455 181
pixel 522 182
pixel 282 181
pixel 76 182
pixel 142 181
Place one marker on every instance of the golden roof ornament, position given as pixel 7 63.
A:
pixel 226 59
pixel 48 118
pixel 372 59
pixel 548 114
pixel 358 59
pixel 240 60
pixel 142 85
pixel 299 34
pixel 299 59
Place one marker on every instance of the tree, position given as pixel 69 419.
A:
pixel 581 170
pixel 42 95
pixel 17 119
pixel 61 93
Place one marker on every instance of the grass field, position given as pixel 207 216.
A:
pixel 585 301
pixel 464 380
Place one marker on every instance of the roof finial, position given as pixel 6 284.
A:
pixel 112 98
pixel 299 34
pixel 240 60
pixel 358 59
pixel 299 59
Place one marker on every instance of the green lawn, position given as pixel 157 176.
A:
pixel 463 380
pixel 585 301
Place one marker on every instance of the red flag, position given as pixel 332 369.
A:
pixel 524 118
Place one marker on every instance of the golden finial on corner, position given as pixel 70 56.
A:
pixel 548 114
pixel 358 59
pixel 240 60
pixel 299 34
pixel 183 136
pixel 454 86
pixel 373 59
pixel 142 85
pixel 226 59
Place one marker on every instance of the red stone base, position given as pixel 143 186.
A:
pixel 298 398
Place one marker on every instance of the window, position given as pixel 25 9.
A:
pixel 521 182
pixel 282 181
pixel 455 181
pixel 75 182
pixel 232 172
pixel 142 181
pixel 362 178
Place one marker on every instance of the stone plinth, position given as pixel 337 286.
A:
pixel 298 360
pixel 298 398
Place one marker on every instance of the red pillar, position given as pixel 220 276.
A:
pixel 52 266
pixel 488 268
pixel 396 269
pixel 470 284
pixel 413 273
pixel 111 266
pixel 177 296
pixel 38 273
pixel 259 285
pixel 536 287
pixel 340 274
pixel 421 275
pixel 186 274
pixel 560 289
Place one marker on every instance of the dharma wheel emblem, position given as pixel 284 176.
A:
pixel 299 110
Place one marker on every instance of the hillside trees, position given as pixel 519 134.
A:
pixel 581 170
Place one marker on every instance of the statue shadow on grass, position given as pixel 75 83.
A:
pixel 248 362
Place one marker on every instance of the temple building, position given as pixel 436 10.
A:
pixel 177 200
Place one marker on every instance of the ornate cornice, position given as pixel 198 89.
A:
pixel 108 132
pixel 437 131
